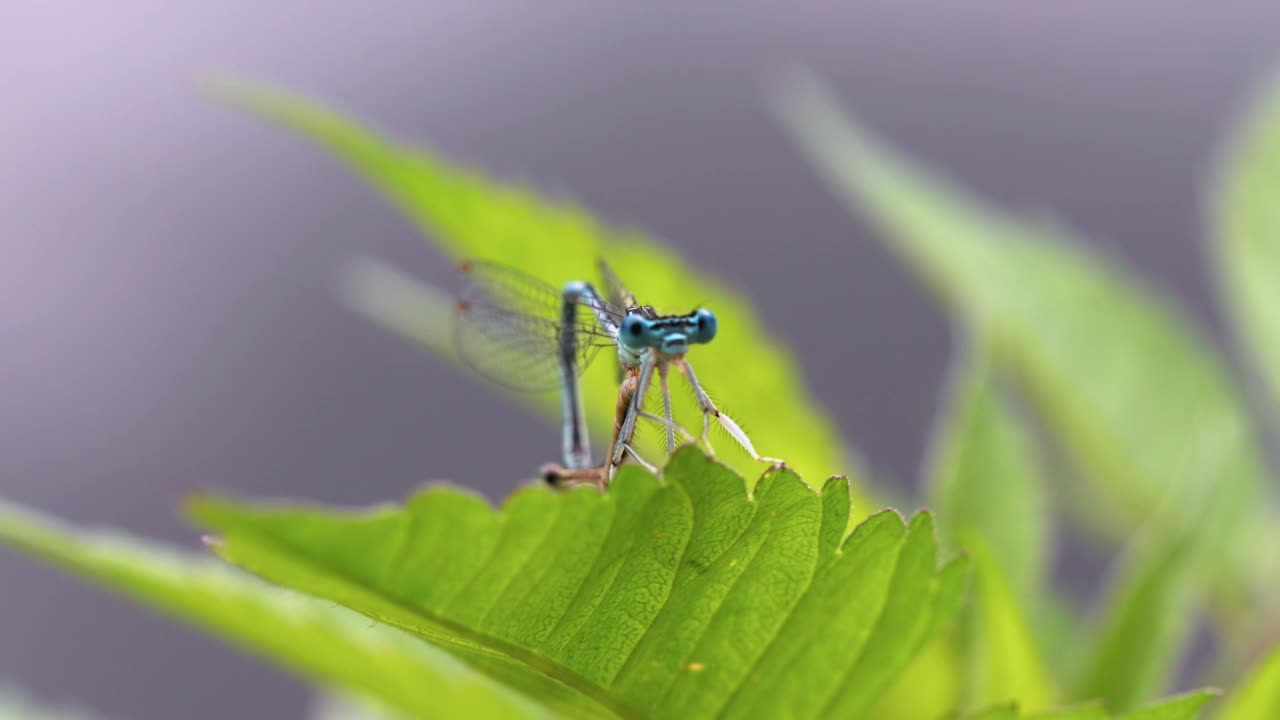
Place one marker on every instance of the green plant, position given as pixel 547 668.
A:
pixel 704 594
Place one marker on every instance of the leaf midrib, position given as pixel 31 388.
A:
pixel 451 635
pixel 474 641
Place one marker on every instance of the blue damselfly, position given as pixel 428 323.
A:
pixel 524 334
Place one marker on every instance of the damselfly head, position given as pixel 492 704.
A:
pixel 672 334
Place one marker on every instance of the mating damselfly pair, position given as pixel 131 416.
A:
pixel 526 335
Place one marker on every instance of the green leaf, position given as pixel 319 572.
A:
pixel 1087 711
pixel 676 599
pixel 337 707
pixel 986 480
pixel 468 216
pixel 1248 234
pixel 928 688
pixel 405 306
pixel 1140 401
pixel 1179 707
pixel 1144 628
pixel 1258 695
pixel 910 618
pixel 1008 711
pixel 987 486
pixel 311 637
pixel 1003 661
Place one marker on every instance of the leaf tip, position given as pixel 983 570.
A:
pixel 884 519
pixel 889 511
pixel 439 491
pixel 836 484
pixel 204 507
pixel 776 477
pixel 924 517
pixel 775 468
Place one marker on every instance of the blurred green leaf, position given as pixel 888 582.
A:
pixel 16 704
pixel 336 707
pixel 403 305
pixel 1248 234
pixel 310 637
pixel 985 479
pixel 1087 711
pixel 1008 711
pixel 928 688
pixel 1180 707
pixel 468 216
pixel 1139 400
pixel 1003 662
pixel 1143 629
pixel 679 599
pixel 910 618
pixel 1057 621
pixel 1257 697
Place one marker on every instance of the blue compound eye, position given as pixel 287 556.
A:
pixel 706 325
pixel 634 331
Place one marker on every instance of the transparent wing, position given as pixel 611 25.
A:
pixel 618 294
pixel 614 291
pixel 507 327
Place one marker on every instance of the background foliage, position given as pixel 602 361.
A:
pixel 1076 387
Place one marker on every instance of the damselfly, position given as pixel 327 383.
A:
pixel 526 335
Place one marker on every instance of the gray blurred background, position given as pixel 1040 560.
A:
pixel 168 315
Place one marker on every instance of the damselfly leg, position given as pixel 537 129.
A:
pixel 664 370
pixel 627 428
pixel 625 405
pixel 709 410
